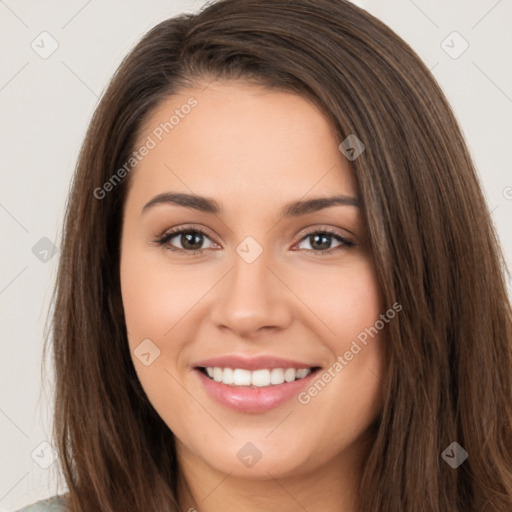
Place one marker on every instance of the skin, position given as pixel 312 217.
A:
pixel 253 150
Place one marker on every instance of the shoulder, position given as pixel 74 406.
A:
pixel 55 504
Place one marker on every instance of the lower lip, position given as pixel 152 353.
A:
pixel 245 399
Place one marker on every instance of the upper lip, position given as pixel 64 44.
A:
pixel 252 363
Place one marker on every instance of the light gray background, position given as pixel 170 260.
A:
pixel 46 105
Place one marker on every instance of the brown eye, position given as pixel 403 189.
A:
pixel 188 240
pixel 321 242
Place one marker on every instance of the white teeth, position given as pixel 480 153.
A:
pixel 300 374
pixel 241 377
pixel 217 374
pixel 228 376
pixel 260 378
pixel 256 378
pixel 277 376
pixel 289 374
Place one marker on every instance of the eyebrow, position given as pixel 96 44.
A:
pixel 209 205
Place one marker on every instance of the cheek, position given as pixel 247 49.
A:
pixel 346 300
pixel 148 305
pixel 358 305
pixel 149 310
pixel 348 391
pixel 360 335
pixel 154 302
pixel 159 301
pixel 156 296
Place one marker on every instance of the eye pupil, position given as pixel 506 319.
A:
pixel 188 240
pixel 321 241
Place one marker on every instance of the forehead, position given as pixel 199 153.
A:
pixel 240 141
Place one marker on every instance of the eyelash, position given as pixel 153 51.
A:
pixel 163 240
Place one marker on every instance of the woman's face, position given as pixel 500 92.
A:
pixel 269 293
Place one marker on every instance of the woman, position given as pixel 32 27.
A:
pixel 279 286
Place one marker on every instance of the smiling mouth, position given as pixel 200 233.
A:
pixel 239 377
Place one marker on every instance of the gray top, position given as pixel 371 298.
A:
pixel 55 504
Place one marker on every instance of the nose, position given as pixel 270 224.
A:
pixel 252 299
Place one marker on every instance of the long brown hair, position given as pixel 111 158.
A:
pixel 449 352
